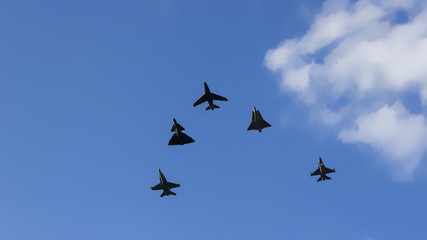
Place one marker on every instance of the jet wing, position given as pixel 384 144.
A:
pixel 265 124
pixel 328 170
pixel 218 97
pixel 317 172
pixel 200 100
pixel 173 185
pixel 185 138
pixel 157 187
pixel 252 126
pixel 174 140
pixel 180 140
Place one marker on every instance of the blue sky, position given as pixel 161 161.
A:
pixel 88 91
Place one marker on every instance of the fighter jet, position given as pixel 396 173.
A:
pixel 179 138
pixel 258 123
pixel 209 97
pixel 165 186
pixel 322 171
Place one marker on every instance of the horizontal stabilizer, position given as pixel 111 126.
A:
pixel 327 178
pixel 167 193
pixel 320 179
pixel 209 107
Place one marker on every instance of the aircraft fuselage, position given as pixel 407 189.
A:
pixel 257 120
pixel 211 105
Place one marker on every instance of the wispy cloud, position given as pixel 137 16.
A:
pixel 363 58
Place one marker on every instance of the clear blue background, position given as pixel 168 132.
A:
pixel 88 90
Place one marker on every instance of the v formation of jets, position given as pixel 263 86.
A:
pixel 180 138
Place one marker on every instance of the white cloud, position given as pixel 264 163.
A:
pixel 368 61
pixel 399 135
pixel 298 79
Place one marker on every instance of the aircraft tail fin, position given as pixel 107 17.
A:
pixel 214 106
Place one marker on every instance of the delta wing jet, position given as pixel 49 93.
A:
pixel 179 138
pixel 209 97
pixel 322 171
pixel 165 186
pixel 258 123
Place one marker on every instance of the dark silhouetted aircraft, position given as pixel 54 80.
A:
pixel 258 123
pixel 322 171
pixel 179 138
pixel 165 186
pixel 209 97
